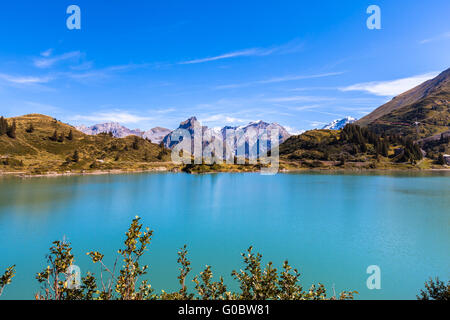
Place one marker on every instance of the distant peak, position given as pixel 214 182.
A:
pixel 339 123
pixel 257 122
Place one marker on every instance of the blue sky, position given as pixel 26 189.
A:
pixel 155 63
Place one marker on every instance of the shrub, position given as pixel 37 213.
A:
pixel 6 278
pixel 255 281
pixel 435 290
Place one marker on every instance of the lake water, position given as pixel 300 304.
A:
pixel 331 227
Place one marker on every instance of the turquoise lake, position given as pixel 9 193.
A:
pixel 330 226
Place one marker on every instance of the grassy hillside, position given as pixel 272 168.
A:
pixel 43 144
pixel 418 113
pixel 430 87
pixel 427 117
pixel 354 147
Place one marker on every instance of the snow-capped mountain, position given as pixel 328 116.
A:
pixel 155 135
pixel 261 126
pixel 190 125
pixel 259 129
pixel 115 128
pixel 158 134
pixel 339 124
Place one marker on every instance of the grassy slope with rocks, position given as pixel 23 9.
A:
pixel 353 147
pixel 43 144
pixel 421 112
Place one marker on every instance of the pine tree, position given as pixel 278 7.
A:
pixel 441 160
pixel 54 137
pixel 136 143
pixel 76 156
pixel 363 147
pixel 11 130
pixel 70 136
pixel 385 149
pixel 61 137
pixel 3 126
pixel 30 128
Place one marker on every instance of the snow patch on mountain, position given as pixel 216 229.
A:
pixel 339 123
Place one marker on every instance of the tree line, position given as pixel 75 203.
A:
pixel 361 136
pixel 61 137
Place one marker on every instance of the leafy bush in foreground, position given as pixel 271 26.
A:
pixel 256 282
pixel 435 290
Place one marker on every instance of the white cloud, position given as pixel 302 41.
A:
pixel 47 62
pixel 24 79
pixel 300 99
pixel 317 124
pixel 222 118
pixel 392 87
pixel 247 52
pixel 307 107
pixel 47 53
pixel 279 79
pixel 445 35
pixel 293 131
pixel 112 116
pixel 290 47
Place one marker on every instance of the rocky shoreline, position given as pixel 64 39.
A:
pixel 22 174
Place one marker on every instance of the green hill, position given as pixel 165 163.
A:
pixel 42 144
pixel 354 147
pixel 418 113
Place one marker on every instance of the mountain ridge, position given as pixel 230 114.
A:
pixel 418 113
pixel 119 131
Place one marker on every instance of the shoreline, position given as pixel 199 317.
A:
pixel 22 174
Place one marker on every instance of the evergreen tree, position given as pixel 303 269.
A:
pixel 54 137
pixel 3 126
pixel 30 128
pixel 441 160
pixel 11 130
pixel 136 143
pixel 385 149
pixel 70 136
pixel 61 137
pixel 363 147
pixel 76 156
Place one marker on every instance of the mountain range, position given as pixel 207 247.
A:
pixel 259 128
pixel 119 131
pixel 159 134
